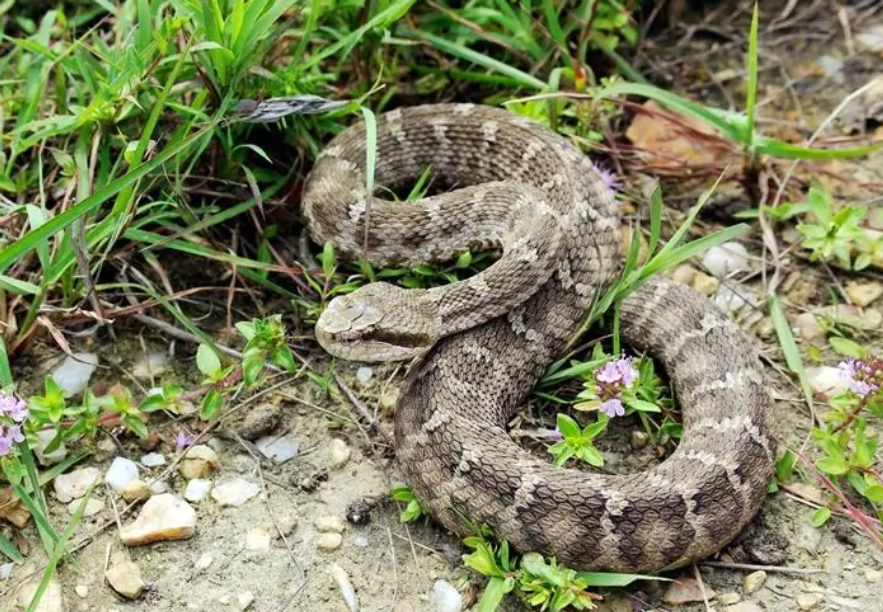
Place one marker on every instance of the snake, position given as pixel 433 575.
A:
pixel 476 348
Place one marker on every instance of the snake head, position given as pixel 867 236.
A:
pixel 378 322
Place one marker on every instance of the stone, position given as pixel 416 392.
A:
pixel 825 380
pixel 863 294
pixel 753 581
pixel 44 438
pixel 686 590
pixel 728 300
pixel 244 600
pixel 153 460
pixel 204 562
pixel 93 506
pixel 258 539
pixel 705 284
pixel 279 449
pixel 287 524
pixel 807 326
pixel 82 591
pixel 639 439
pixel 51 601
pixel 328 542
pixel 347 591
pixel 163 517
pixel 329 524
pixel 404 606
pixel 158 486
pixel 125 579
pixel 684 274
pixel 446 597
pixel 744 606
pixel 137 490
pixel 361 541
pixel 122 471
pixel 728 599
pixel 235 492
pixel 873 575
pixel 73 375
pixel 199 461
pixel 808 601
pixel 726 259
pixel 870 39
pixel 151 365
pixel 75 484
pixel 259 420
pixel 197 490
pixel 338 453
pixel 363 376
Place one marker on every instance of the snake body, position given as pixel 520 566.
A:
pixel 482 344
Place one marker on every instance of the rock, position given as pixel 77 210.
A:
pixel 685 590
pixel 807 326
pixel 863 294
pixel 728 599
pixel 684 274
pixel 204 562
pixel 93 506
pixel 870 39
pixel 259 420
pixel 725 259
pixel 286 524
pixel 244 600
pixel 328 542
pixel 75 484
pixel 705 284
pixel 446 597
pixel 163 517
pixel 825 380
pixel 51 601
pixel 151 365
pixel 135 491
pixel 125 579
pixel 338 453
pixel 808 601
pixel 279 449
pixel 198 462
pixel 728 300
pixel 363 376
pixel 329 524
pixel 639 439
pixel 158 486
pixel 744 606
pixel 153 460
pixel 873 575
pixel 753 581
pixel 82 591
pixel 235 492
pixel 44 438
pixel 346 587
pixel 197 490
pixel 258 539
pixel 122 471
pixel 404 606
pixel 73 375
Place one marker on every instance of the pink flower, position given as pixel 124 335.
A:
pixel 613 407
pixel 15 435
pixel 5 444
pixel 14 407
pixel 183 440
pixel 610 180
pixel 863 376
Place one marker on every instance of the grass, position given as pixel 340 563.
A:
pixel 127 147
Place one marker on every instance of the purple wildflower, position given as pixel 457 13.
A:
pixel 610 180
pixel 14 434
pixel 5 445
pixel 863 376
pixel 613 407
pixel 14 407
pixel 183 440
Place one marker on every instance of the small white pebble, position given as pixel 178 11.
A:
pixel 73 375
pixel 258 539
pixel 150 365
pixel 346 587
pixel 82 590
pixel 339 453
pixel 197 489
pixel 6 571
pixel 728 300
pixel 360 541
pixel 725 259
pixel 825 380
pixel 121 472
pixel 153 460
pixel 364 376
pixel 235 492
pixel 329 524
pixel 328 542
pixel 278 449
pixel 158 486
pixel 244 600
pixel 204 562
pixel 92 507
pixel 446 596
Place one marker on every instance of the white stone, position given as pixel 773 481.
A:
pixel 235 492
pixel 361 541
pixel 73 375
pixel 158 486
pixel 328 542
pixel 137 490
pixel 753 581
pixel 153 460
pixel 808 601
pixel 364 375
pixel 125 579
pixel 44 438
pixel 197 489
pixel 82 591
pixel 329 524
pixel 446 597
pixel 122 471
pixel 199 461
pixel 204 562
pixel 163 517
pixel 93 506
pixel 244 600
pixel 725 259
pixel 825 380
pixel 52 600
pixel 338 453
pixel 728 300
pixel 75 484
pixel 279 449
pixel 871 39
pixel 151 365
pixel 258 539
pixel 346 587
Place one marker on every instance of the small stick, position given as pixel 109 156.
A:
pixel 764 568
pixel 363 410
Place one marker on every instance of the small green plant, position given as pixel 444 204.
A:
pixel 576 442
pixel 413 510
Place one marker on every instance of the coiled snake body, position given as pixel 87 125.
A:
pixel 482 344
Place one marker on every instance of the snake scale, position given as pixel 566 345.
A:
pixel 480 345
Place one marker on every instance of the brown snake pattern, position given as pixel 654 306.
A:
pixel 482 344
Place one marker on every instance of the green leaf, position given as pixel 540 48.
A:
pixel 464 260
pixel 847 347
pixel 246 328
pixel 152 403
pixel 492 596
pixel 643 406
pixel 207 360
pixel 284 358
pixel 820 517
pixel 136 425
pixel 874 493
pixel 252 365
pixel 567 426
pixel 211 403
pixel 835 466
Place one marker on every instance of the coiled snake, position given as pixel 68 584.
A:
pixel 482 344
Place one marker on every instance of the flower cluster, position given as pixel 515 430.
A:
pixel 610 381
pixel 863 376
pixel 610 180
pixel 13 413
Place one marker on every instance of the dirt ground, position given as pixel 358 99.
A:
pixel 810 63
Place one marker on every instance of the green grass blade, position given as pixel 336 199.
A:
pixel 789 347
pixel 751 102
